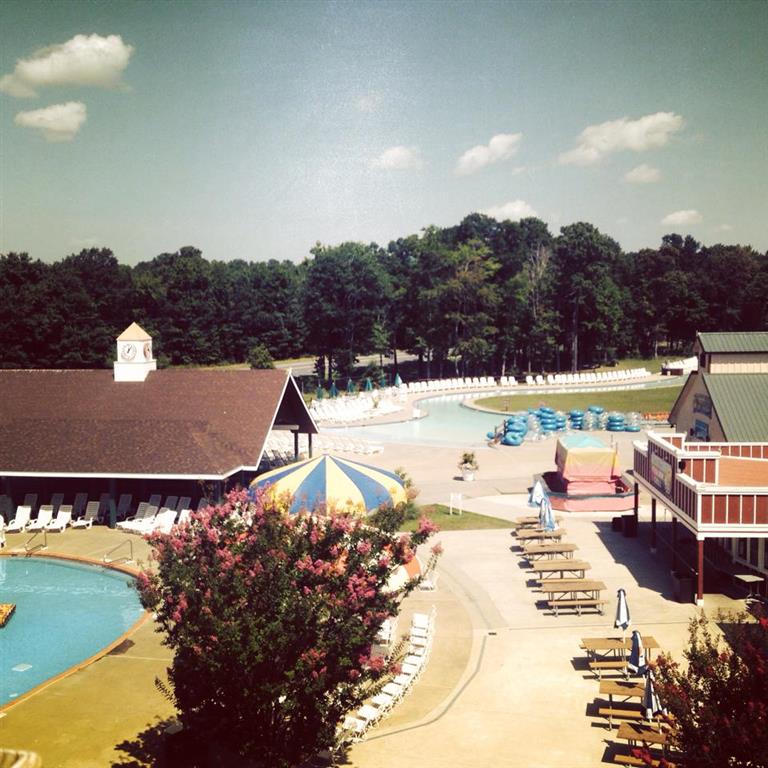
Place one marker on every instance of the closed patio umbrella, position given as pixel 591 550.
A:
pixel 636 661
pixel 319 393
pixel 651 704
pixel 368 385
pixel 334 391
pixel 350 385
pixel 398 381
pixel 546 518
pixel 537 494
pixel 623 619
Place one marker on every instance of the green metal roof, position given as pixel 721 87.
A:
pixel 734 342
pixel 741 403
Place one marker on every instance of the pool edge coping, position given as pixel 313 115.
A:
pixel 134 572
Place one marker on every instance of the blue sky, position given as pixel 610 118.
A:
pixel 253 130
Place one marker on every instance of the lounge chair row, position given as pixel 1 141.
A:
pixel 587 377
pixel 150 519
pixel 56 521
pixel 419 645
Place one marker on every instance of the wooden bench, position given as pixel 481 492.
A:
pixel 632 760
pixel 622 714
pixel 606 664
pixel 578 604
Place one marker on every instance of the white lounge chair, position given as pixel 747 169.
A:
pixel 44 516
pixel 20 521
pixel 91 513
pixel 144 511
pixel 62 520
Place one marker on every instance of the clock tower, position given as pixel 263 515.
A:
pixel 134 354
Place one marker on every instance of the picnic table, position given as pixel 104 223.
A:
pixel 560 568
pixel 533 521
pixel 573 593
pixel 617 647
pixel 634 732
pixel 540 534
pixel 625 689
pixel 536 551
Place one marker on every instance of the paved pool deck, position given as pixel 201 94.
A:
pixel 505 685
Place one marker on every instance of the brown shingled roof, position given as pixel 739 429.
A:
pixel 179 422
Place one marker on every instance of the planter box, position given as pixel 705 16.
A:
pixel 682 587
pixel 467 474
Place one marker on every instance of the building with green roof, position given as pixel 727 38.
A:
pixel 711 473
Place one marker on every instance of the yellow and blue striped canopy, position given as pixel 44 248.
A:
pixel 338 483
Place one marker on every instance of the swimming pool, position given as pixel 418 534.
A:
pixel 450 423
pixel 65 613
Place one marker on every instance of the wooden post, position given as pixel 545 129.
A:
pixel 296 446
pixel 653 523
pixel 309 444
pixel 674 543
pixel 700 572
pixel 637 502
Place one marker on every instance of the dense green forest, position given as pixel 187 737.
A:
pixel 483 297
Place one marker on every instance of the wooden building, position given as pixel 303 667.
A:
pixel 139 430
pixel 711 473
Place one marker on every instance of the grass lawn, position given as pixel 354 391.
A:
pixel 653 400
pixel 467 521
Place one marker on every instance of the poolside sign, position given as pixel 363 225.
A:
pixel 661 474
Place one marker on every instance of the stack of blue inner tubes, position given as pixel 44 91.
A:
pixel 577 418
pixel 615 422
pixel 547 419
pixel 515 430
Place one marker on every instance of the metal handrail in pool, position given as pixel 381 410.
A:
pixel 129 542
pixel 29 549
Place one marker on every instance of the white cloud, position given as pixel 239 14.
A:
pixel 647 132
pixel 682 218
pixel 398 158
pixel 501 147
pixel 84 60
pixel 59 122
pixel 512 211
pixel 643 174
pixel 723 228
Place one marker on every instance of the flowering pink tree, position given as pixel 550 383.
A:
pixel 271 618
pixel 718 702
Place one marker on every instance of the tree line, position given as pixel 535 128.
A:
pixel 482 297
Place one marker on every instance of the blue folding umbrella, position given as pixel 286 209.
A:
pixel 334 391
pixel 623 619
pixel 546 518
pixel 651 704
pixel 398 381
pixel 636 661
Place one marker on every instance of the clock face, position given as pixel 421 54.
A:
pixel 147 350
pixel 128 351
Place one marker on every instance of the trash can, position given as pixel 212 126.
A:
pixel 629 526
pixel 616 524
pixel 683 587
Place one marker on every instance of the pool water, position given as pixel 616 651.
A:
pixel 65 613
pixel 450 423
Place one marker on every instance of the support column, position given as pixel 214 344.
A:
pixel 637 503
pixel 653 523
pixel 674 543
pixel 700 572
pixel 296 446
pixel 309 444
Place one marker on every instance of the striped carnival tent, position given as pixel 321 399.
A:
pixel 338 483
